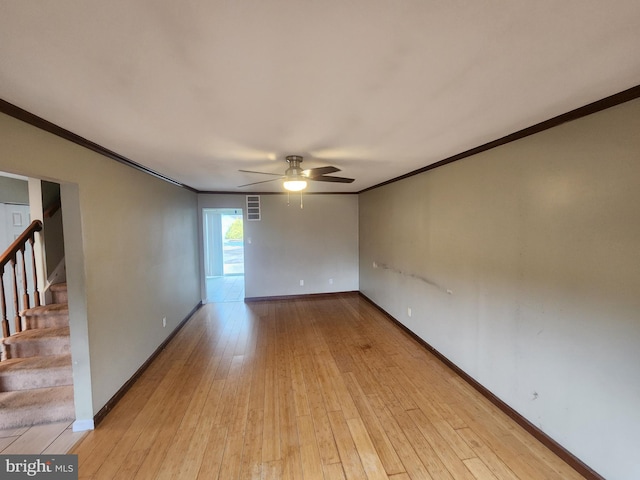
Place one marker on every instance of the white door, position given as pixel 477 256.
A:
pixel 14 219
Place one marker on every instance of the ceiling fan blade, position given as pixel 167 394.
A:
pixel 256 183
pixel 261 173
pixel 323 178
pixel 314 172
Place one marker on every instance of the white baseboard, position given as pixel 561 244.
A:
pixel 83 425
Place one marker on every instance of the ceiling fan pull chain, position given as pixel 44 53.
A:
pixel 301 206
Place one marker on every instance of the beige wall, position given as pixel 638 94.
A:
pixel 131 251
pixel 317 244
pixel 520 265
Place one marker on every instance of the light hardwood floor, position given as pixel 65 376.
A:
pixel 314 388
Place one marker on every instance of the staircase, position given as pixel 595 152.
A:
pixel 36 384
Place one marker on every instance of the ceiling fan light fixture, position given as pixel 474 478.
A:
pixel 296 179
pixel 295 184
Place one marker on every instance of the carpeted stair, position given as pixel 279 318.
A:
pixel 36 384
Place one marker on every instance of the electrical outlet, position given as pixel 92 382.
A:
pixel 164 321
pixel 409 311
pixel 302 283
pixel 375 265
pixel 331 281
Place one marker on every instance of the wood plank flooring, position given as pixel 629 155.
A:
pixel 318 388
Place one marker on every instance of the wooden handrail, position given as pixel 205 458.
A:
pixel 11 257
pixel 51 210
pixel 19 243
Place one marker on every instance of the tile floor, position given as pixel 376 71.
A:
pixel 229 288
pixel 53 439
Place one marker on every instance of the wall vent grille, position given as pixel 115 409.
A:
pixel 253 208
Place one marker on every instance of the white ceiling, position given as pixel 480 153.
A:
pixel 198 89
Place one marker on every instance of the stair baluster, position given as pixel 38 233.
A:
pixel 3 308
pixel 36 292
pixel 17 323
pixel 10 258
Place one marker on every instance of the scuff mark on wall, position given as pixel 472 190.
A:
pixel 389 268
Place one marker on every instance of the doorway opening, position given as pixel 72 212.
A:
pixel 223 254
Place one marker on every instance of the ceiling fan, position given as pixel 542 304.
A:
pixel 295 178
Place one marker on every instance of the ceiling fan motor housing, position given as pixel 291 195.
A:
pixel 294 169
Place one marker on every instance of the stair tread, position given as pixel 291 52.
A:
pixel 37 334
pixel 36 406
pixel 36 396
pixel 15 365
pixel 51 309
pixel 35 372
pixel 56 287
